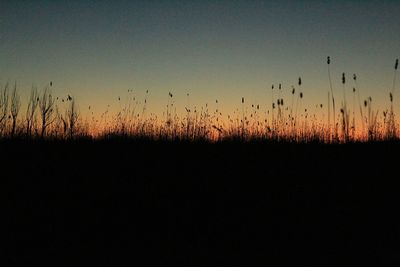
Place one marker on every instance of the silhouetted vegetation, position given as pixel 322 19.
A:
pixel 291 123
pixel 259 186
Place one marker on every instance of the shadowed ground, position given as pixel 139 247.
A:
pixel 126 201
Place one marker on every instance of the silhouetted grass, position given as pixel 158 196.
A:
pixel 50 116
pixel 263 187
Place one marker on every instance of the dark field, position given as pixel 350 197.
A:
pixel 142 202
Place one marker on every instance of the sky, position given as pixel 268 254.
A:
pixel 225 50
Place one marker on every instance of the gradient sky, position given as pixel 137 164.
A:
pixel 97 50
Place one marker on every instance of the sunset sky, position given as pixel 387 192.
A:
pixel 98 50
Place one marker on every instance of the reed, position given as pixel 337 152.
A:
pixel 50 116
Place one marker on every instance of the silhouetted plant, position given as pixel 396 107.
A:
pixel 30 118
pixel 46 108
pixel 344 112
pixel 371 120
pixel 15 107
pixel 72 117
pixel 4 102
pixel 333 99
pixel 391 124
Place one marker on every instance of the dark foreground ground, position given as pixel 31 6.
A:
pixel 123 201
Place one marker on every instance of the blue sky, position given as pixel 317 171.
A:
pixel 97 50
